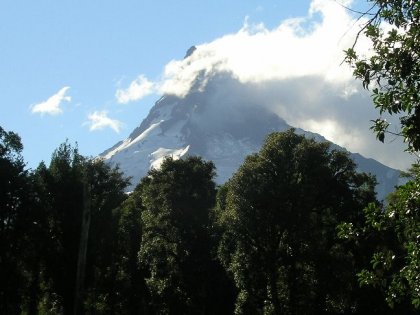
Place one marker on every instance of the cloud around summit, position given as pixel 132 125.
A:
pixel 297 47
pixel 299 71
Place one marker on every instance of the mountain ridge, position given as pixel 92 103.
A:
pixel 222 122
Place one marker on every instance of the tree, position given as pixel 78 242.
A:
pixel 63 188
pixel 115 280
pixel 280 214
pixel 14 201
pixel 394 259
pixel 106 194
pixel 61 191
pixel 175 248
pixel 393 74
pixel 130 284
pixel 393 71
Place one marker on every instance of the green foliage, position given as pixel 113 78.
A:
pixel 395 259
pixel 14 202
pixel 119 284
pixel 393 71
pixel 279 216
pixel 60 192
pixel 106 194
pixel 175 247
pixel 60 197
pixel 10 146
pixel 393 75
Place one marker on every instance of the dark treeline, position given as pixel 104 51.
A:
pixel 296 230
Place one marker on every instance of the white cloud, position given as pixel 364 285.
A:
pixel 297 47
pixel 300 75
pixel 138 89
pixel 99 120
pixel 52 105
pixel 334 132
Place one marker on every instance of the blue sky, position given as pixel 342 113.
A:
pixel 76 55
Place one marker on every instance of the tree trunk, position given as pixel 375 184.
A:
pixel 34 292
pixel 274 292
pixel 81 264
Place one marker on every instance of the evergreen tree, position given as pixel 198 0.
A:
pixel 78 196
pixel 280 214
pixel 106 194
pixel 14 192
pixel 176 241
pixel 130 283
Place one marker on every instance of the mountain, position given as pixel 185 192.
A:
pixel 222 120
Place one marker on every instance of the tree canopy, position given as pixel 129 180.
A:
pixel 278 218
pixel 14 212
pixel 393 232
pixel 176 247
pixel 392 73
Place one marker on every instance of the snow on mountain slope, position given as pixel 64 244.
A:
pixel 160 154
pixel 223 122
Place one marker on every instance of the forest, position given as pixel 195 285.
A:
pixel 296 230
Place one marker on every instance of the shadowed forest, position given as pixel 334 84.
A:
pixel 296 230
